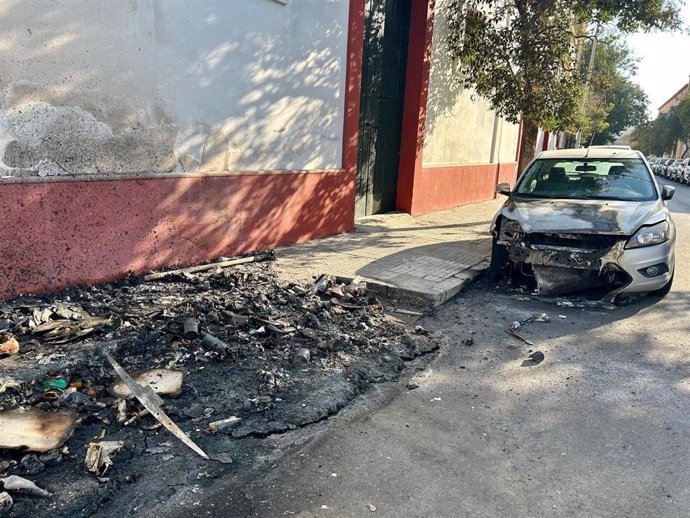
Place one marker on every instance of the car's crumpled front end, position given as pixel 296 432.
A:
pixel 584 218
pixel 578 246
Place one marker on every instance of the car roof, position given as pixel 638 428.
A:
pixel 592 152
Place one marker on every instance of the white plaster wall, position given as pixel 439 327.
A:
pixel 460 124
pixel 123 86
pixel 510 133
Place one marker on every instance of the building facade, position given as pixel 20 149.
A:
pixel 141 134
pixel 672 102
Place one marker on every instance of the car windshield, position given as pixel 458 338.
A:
pixel 587 179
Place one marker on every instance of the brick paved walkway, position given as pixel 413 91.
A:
pixel 429 257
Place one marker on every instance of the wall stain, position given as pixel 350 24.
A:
pixel 41 135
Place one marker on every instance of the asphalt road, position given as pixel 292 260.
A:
pixel 600 428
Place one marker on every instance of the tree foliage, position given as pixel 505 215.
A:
pixel 682 113
pixel 518 55
pixel 524 56
pixel 659 137
pixel 631 15
pixel 614 103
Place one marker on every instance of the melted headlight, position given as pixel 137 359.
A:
pixel 650 235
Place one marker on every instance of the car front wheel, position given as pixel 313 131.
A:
pixel 499 258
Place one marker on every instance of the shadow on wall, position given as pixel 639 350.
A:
pixel 149 86
pixel 445 82
pixel 444 88
pixel 456 114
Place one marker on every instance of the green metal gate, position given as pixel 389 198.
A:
pixel 386 37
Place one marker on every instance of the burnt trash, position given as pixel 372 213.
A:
pixel 9 346
pixel 536 356
pixel 152 403
pixel 34 429
pixel 6 500
pixel 194 411
pixel 121 407
pixel 518 324
pixel 537 317
pixel 225 425
pixel 512 331
pixel 215 344
pixel 268 357
pixel 164 382
pixel 99 456
pixel 59 383
pixel 191 328
pixel 15 484
pixel 301 358
pixel 31 465
pixel 323 283
pixel 51 458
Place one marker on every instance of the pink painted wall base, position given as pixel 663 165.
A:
pixel 60 233
pixel 439 188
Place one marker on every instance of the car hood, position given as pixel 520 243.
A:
pixel 583 216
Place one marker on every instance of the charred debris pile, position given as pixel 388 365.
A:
pixel 101 384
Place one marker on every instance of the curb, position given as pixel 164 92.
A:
pixel 473 274
pixel 433 300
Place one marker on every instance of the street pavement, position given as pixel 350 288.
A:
pixel 599 429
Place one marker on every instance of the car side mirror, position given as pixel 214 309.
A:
pixel 667 192
pixel 503 188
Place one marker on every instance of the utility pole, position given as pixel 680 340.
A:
pixel 590 69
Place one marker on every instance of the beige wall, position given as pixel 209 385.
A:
pixel 510 133
pixel 460 126
pixel 124 86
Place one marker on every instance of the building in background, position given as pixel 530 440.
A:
pixel 141 134
pixel 674 101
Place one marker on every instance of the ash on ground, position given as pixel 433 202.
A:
pixel 279 357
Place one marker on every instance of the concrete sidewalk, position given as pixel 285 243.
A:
pixel 430 258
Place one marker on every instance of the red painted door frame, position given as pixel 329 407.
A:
pixel 416 93
pixel 353 85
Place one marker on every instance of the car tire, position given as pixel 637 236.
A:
pixel 662 292
pixel 499 258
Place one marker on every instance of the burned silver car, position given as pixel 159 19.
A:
pixel 584 218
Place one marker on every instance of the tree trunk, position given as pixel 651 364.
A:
pixel 528 144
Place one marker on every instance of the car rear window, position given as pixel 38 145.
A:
pixel 602 179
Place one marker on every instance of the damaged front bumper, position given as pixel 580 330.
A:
pixel 563 263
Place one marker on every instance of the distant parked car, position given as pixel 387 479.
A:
pixel 652 160
pixel 670 169
pixel 584 218
pixel 663 167
pixel 674 169
pixel 683 171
